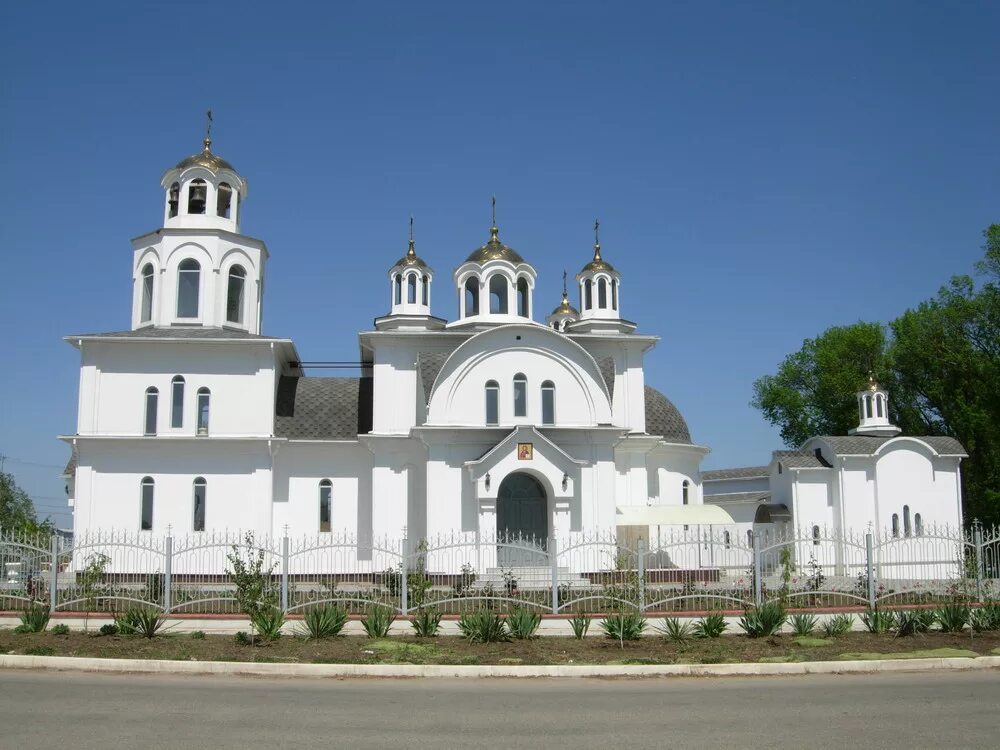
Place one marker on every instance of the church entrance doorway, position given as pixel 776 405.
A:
pixel 523 521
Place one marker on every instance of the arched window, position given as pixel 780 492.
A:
pixel 520 395
pixel 918 525
pixel 685 492
pixel 472 296
pixel 868 406
pixel 146 308
pixel 152 399
pixel 173 200
pixel 878 405
pixel 177 401
pixel 411 289
pixel 522 297
pixel 492 402
pixel 397 289
pixel 204 396
pixel 197 196
pixel 224 200
pixel 895 525
pixel 200 492
pixel 325 494
pixel 234 296
pixel 588 294
pixel 498 294
pixel 146 504
pixel 426 291
pixel 815 536
pixel 548 402
pixel 188 288
pixel 602 293
pixel 726 539
pixel 907 529
pixel 614 294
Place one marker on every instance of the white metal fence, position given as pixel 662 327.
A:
pixel 592 571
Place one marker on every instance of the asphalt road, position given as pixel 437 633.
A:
pixel 53 710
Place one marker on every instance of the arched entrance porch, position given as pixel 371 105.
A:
pixel 522 521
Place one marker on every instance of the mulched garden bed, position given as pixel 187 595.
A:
pixel 651 649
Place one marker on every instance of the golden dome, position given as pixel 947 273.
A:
pixel 598 263
pixel 410 259
pixel 872 385
pixel 565 308
pixel 206 159
pixel 494 250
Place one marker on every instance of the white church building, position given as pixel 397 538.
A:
pixel 496 421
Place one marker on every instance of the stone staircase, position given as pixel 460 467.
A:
pixel 528 578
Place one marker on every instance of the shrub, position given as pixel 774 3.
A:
pixel 60 629
pixel 378 621
pixel 123 625
pixel 910 622
pixel 986 617
pixel 624 626
pixel 254 593
pixel 803 624
pixel 324 622
pixel 952 617
pixel 765 620
pixel 675 631
pixel 40 651
pixel 709 626
pixel 108 629
pixel 580 624
pixel 877 620
pixel 268 622
pixel 483 626
pixel 426 622
pixel 242 638
pixel 198 635
pixel 838 625
pixel 523 623
pixel 144 621
pixel 34 620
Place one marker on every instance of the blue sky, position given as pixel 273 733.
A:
pixel 762 171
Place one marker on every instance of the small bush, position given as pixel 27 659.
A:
pixel 763 621
pixel 878 621
pixel 838 625
pixel 803 623
pixel 144 621
pixel 242 638
pixel 710 626
pixel 123 623
pixel 40 651
pixel 952 617
pixel 426 622
pixel 60 629
pixel 34 619
pixel 483 626
pixel 268 623
pixel 324 622
pixel 580 624
pixel 911 622
pixel 378 621
pixel 624 626
pixel 675 631
pixel 985 618
pixel 108 629
pixel 198 635
pixel 523 623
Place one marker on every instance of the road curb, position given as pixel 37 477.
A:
pixel 250 669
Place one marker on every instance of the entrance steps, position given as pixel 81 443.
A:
pixel 533 577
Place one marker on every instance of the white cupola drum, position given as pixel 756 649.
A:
pixel 599 286
pixel 410 283
pixel 873 411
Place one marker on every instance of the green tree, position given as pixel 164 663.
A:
pixel 16 511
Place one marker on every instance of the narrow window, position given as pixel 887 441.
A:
pixel 868 406
pixel 907 529
pixel 878 405
pixel 918 525
pixel 188 287
pixel 588 294
pixel 224 200
pixel 426 291
pixel 235 293
pixel 146 511
pixel 498 294
pixel 200 492
pixel 177 402
pixel 602 294
pixel 779 468
pixel 397 294
pixel 152 398
pixel 895 525
pixel 492 402
pixel 750 538
pixel 815 536
pixel 726 539
pixel 325 491
pixel 614 294
pixel 522 297
pixel 204 396
pixel 173 200
pixel 197 196
pixel 520 395
pixel 685 490
pixel 146 309
pixel 472 296
pixel 411 289
pixel 548 402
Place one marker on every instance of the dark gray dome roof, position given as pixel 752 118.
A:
pixel 663 418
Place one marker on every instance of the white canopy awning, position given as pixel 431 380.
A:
pixel 671 515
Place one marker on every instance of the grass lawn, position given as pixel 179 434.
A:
pixel 651 649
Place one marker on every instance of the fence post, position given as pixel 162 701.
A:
pixel 168 572
pixel 757 582
pixel 870 569
pixel 53 572
pixel 641 554
pixel 977 538
pixel 554 564
pixel 404 583
pixel 284 573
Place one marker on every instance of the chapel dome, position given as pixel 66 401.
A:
pixel 206 159
pixel 664 419
pixel 598 263
pixel 410 260
pixel 494 250
pixel 565 308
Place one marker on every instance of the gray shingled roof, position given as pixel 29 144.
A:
pixel 663 418
pixel 323 408
pixel 607 367
pixel 866 445
pixel 177 332
pixel 739 497
pixel 74 458
pixel 429 364
pixel 800 460
pixel 742 472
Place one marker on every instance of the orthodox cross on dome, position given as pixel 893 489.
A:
pixel 411 253
pixel 597 239
pixel 208 130
pixel 493 227
pixel 564 283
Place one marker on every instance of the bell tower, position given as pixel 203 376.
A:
pixel 600 295
pixel 873 409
